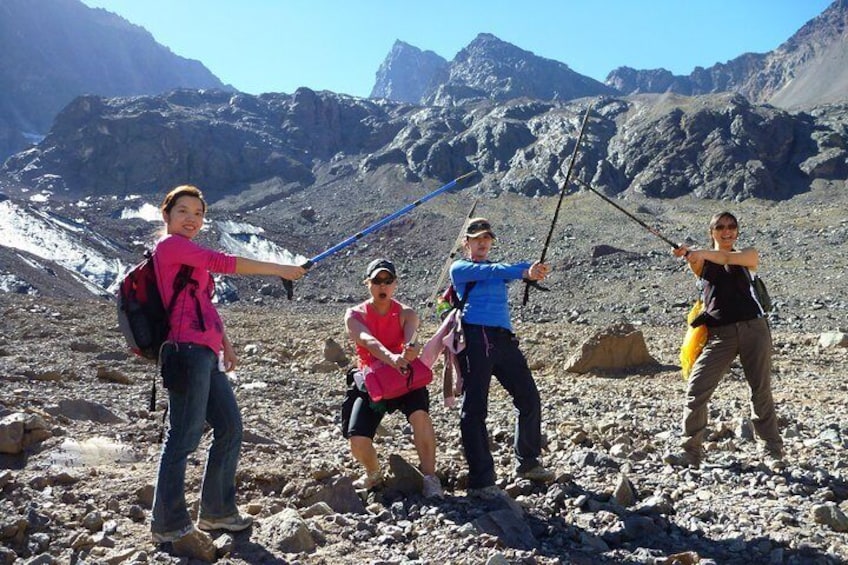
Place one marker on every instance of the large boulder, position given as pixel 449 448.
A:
pixel 615 349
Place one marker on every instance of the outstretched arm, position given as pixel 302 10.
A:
pixel 537 271
pixel 245 266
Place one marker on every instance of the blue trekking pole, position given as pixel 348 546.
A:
pixel 288 285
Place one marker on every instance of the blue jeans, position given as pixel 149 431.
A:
pixel 205 397
pixel 494 351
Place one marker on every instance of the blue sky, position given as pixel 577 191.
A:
pixel 279 45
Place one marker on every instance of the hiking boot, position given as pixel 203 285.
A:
pixel 432 487
pixel 774 458
pixel 684 458
pixel 232 523
pixel 537 474
pixel 491 492
pixel 195 545
pixel 168 537
pixel 369 481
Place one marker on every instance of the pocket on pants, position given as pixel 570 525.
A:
pixel 172 368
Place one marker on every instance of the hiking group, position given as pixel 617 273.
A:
pixel 197 354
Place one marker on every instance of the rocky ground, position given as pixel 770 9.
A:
pixel 80 491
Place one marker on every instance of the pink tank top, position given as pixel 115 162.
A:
pixel 386 328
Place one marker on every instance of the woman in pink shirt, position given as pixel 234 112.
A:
pixel 383 330
pixel 198 388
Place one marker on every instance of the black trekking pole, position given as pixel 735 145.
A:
pixel 628 214
pixel 528 283
pixel 289 286
pixel 454 250
pixel 152 405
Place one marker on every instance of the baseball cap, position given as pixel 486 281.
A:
pixel 479 226
pixel 378 265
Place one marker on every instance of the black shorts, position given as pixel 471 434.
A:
pixel 364 418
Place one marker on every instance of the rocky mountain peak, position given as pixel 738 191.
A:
pixel 488 46
pixel 811 67
pixel 823 28
pixel 407 73
pixel 493 69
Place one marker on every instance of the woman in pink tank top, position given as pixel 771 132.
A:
pixel 383 331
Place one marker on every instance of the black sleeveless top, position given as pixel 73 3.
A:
pixel 727 295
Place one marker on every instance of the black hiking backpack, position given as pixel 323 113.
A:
pixel 142 316
pixel 450 300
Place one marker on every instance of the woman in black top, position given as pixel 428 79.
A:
pixel 736 325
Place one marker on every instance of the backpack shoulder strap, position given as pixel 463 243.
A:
pixel 182 280
pixel 468 288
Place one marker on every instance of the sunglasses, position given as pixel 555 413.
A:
pixel 722 227
pixel 479 226
pixel 383 281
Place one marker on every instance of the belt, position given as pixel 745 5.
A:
pixel 493 329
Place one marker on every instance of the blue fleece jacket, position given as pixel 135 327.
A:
pixel 487 304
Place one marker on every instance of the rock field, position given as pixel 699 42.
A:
pixel 81 488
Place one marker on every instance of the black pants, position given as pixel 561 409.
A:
pixel 494 351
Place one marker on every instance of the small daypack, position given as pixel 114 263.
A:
pixel 384 382
pixel 760 292
pixel 448 303
pixel 142 317
pixel 694 340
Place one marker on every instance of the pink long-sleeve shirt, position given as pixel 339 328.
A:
pixel 171 253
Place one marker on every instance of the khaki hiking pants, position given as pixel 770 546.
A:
pixel 751 340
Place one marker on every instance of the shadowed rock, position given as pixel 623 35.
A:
pixel 509 528
pixel 338 495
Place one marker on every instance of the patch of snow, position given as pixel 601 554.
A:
pixel 63 223
pixel 228 226
pixel 146 212
pixel 50 238
pixel 254 246
pixel 11 283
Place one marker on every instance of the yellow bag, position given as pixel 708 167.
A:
pixel 693 342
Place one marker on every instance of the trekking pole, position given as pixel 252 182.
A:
pixel 454 250
pixel 628 214
pixel 152 404
pixel 289 286
pixel 162 426
pixel 528 283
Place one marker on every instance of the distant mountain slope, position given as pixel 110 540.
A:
pixel 260 149
pixel 55 50
pixel 809 69
pixel 408 73
pixel 487 69
pixel 814 61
